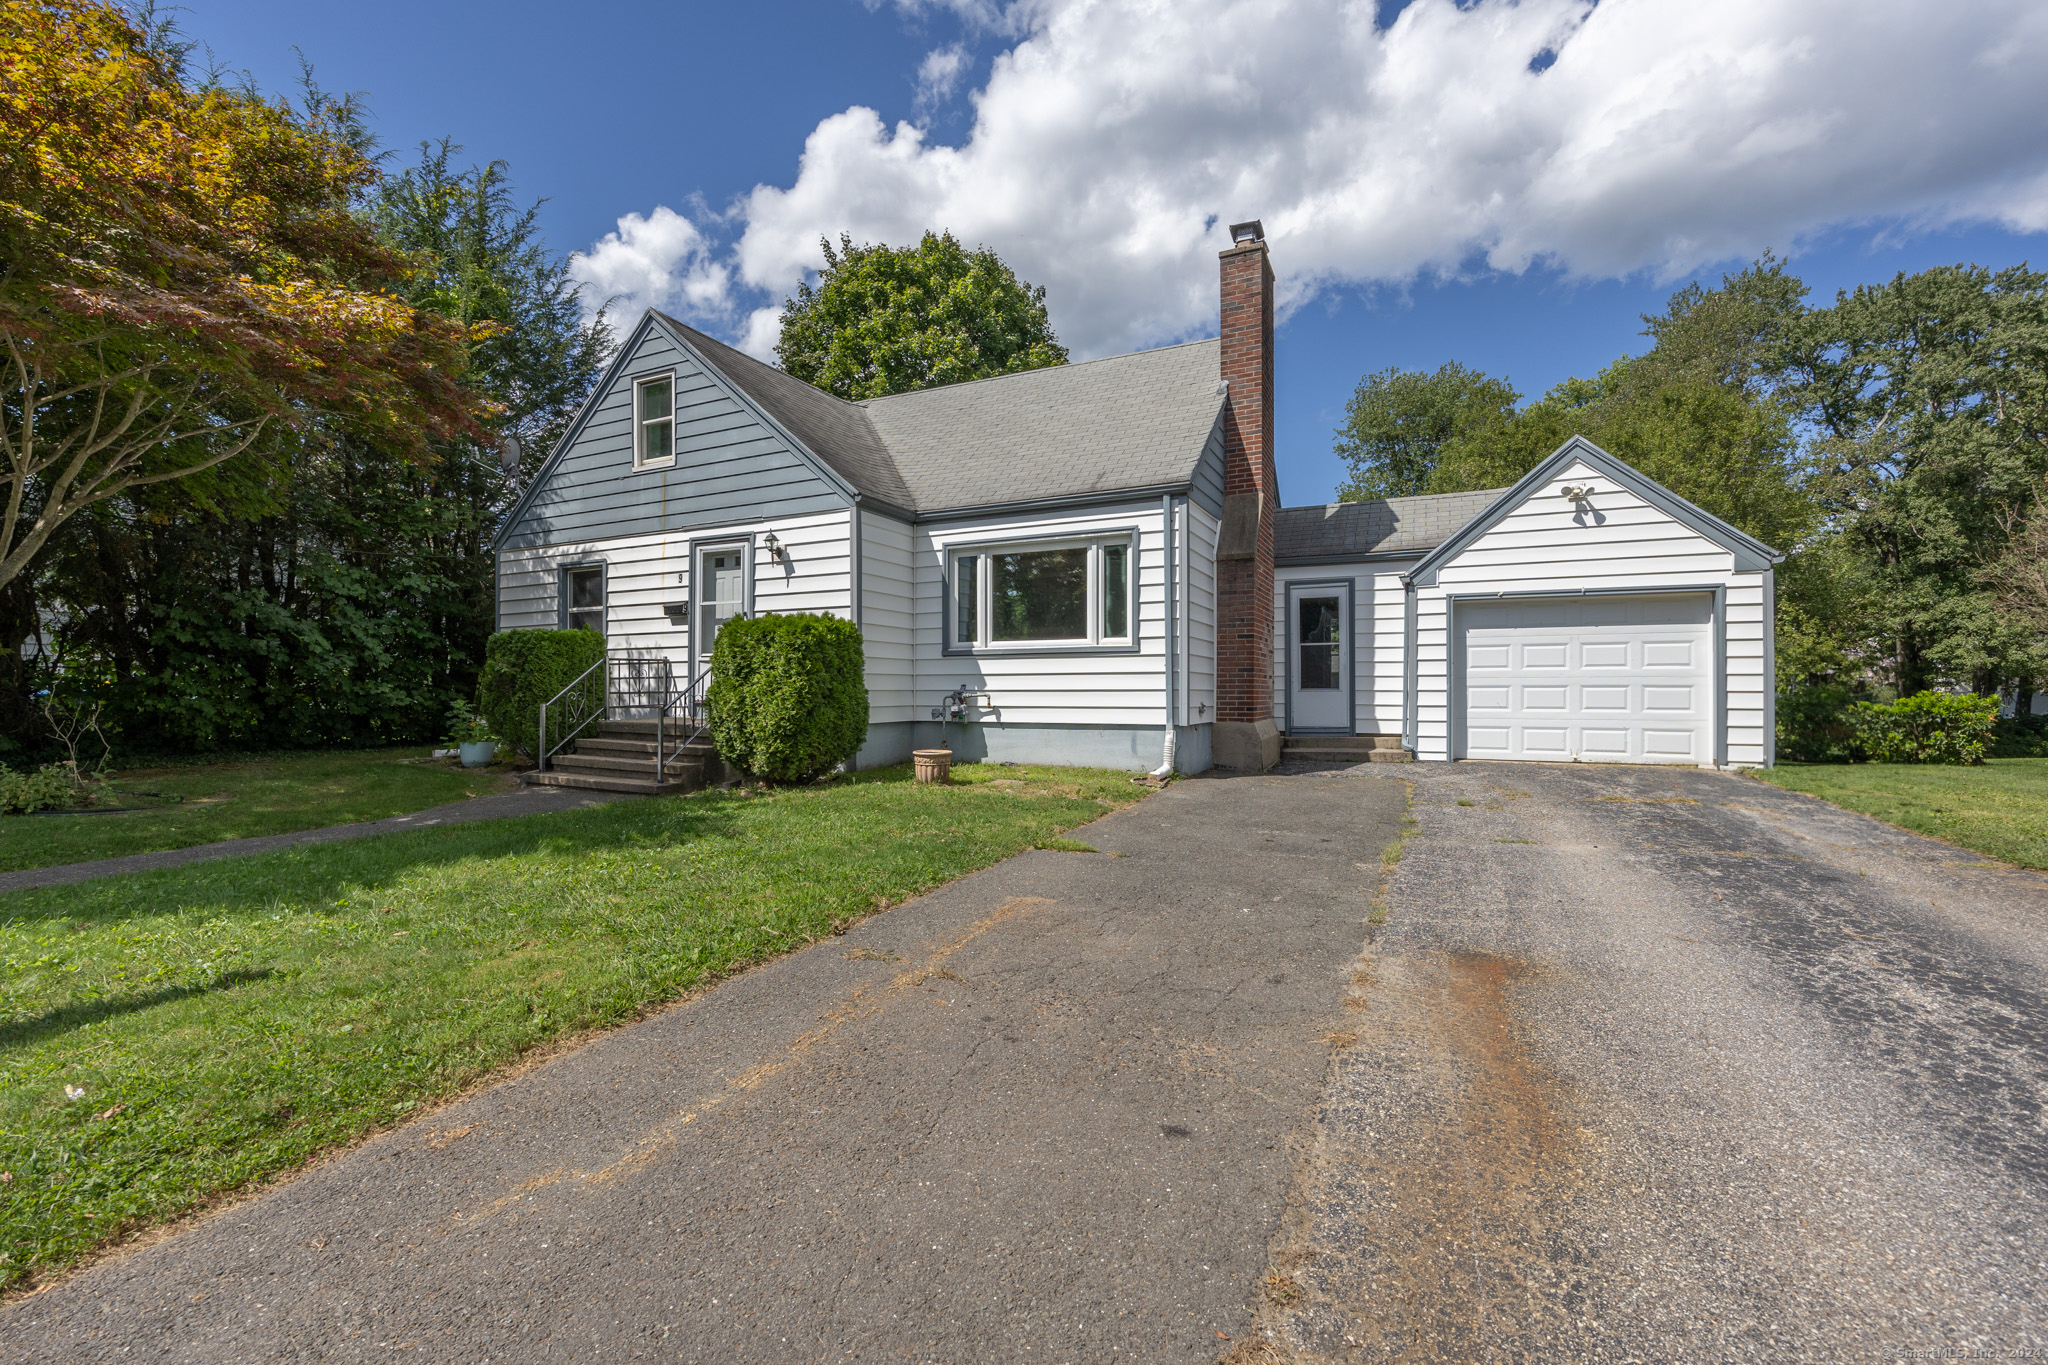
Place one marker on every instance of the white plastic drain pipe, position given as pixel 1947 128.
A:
pixel 1165 769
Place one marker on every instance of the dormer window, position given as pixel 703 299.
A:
pixel 654 406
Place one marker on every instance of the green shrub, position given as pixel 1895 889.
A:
pixel 1928 727
pixel 789 695
pixel 2021 737
pixel 522 669
pixel 48 788
pixel 1814 725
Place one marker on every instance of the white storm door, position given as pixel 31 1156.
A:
pixel 1319 662
pixel 1591 679
pixel 721 592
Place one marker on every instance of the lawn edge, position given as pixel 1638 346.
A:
pixel 125 1243
pixel 2004 863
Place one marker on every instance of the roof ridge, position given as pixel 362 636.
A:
pixel 1037 369
pixel 1403 497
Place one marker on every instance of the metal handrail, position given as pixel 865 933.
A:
pixel 697 712
pixel 547 750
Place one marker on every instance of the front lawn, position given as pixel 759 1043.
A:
pixel 224 1021
pixel 1999 809
pixel 273 795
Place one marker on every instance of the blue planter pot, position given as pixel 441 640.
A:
pixel 476 755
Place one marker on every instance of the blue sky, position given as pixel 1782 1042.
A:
pixel 1505 185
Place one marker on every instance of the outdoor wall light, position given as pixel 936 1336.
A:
pixel 1577 492
pixel 772 546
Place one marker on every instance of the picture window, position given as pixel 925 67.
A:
pixel 1042 595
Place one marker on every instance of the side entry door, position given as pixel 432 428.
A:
pixel 1319 658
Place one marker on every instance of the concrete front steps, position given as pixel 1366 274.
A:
pixel 1343 749
pixel 618 756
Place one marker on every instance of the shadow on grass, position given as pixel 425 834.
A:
pixel 316 874
pixel 68 1017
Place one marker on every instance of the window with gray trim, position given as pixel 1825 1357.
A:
pixel 654 421
pixel 1042 594
pixel 583 598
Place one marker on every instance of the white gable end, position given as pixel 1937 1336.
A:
pixel 1621 625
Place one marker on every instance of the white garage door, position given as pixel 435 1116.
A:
pixel 1599 679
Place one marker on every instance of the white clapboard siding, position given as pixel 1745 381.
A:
pixel 1198 576
pixel 1047 687
pixel 1544 545
pixel 888 614
pixel 1378 637
pixel 644 572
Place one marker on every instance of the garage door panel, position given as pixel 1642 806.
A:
pixel 1604 654
pixel 1607 743
pixel 1612 680
pixel 1669 699
pixel 1671 654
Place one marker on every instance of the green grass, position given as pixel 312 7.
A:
pixel 1999 809
pixel 227 1020
pixel 273 795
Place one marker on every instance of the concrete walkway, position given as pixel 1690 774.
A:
pixel 505 806
pixel 1042 1114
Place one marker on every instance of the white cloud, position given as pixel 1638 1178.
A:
pixel 1115 140
pixel 660 261
pixel 938 76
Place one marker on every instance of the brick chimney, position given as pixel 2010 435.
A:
pixel 1246 735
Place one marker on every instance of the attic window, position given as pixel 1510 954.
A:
pixel 654 406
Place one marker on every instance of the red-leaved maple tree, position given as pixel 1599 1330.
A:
pixel 181 271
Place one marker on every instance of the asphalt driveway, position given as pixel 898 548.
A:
pixel 1040 1115
pixel 1642 1065
pixel 1672 1065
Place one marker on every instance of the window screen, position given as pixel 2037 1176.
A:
pixel 967 600
pixel 586 599
pixel 1116 592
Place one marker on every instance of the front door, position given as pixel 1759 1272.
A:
pixel 1319 663
pixel 721 593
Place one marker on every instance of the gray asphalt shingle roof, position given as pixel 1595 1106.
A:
pixel 1099 426
pixel 1377 526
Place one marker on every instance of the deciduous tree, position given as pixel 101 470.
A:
pixel 1398 422
pixel 182 273
pixel 886 319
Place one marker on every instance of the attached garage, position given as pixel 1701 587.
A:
pixel 1592 615
pixel 1611 678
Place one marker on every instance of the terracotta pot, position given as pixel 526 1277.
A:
pixel 933 765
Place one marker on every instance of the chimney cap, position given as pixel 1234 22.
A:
pixel 1240 233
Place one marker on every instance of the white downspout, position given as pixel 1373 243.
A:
pixel 1165 769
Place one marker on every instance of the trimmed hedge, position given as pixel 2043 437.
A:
pixel 522 669
pixel 789 695
pixel 1927 727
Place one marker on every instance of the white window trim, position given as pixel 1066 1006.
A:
pixel 640 460
pixel 984 608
